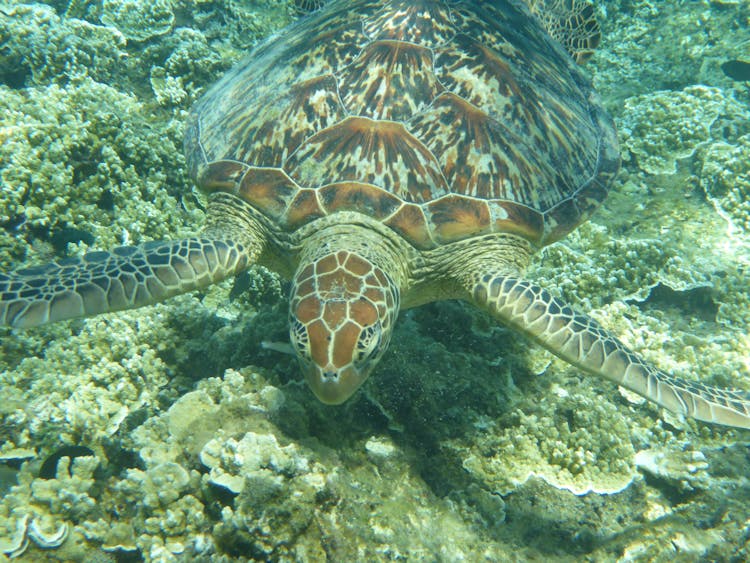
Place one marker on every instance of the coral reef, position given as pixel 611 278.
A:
pixel 84 159
pixel 468 443
pixel 725 177
pixel 579 444
pixel 138 20
pixel 40 47
pixel 249 21
pixel 659 129
pixel 649 46
pixel 116 370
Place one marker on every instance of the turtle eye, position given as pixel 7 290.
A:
pixel 368 345
pixel 299 337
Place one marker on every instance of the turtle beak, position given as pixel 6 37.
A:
pixel 334 386
pixel 336 363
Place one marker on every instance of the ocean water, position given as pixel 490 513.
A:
pixel 184 431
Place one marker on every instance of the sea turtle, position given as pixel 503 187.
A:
pixel 384 154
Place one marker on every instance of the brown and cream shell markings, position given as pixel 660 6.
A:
pixel 442 120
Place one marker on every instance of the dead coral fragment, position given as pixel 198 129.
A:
pixel 684 469
pixel 573 443
pixel 28 529
pixel 257 460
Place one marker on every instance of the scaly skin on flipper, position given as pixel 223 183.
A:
pixel 582 342
pixel 572 22
pixel 123 278
pixel 128 277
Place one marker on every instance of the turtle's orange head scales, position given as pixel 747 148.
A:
pixel 343 308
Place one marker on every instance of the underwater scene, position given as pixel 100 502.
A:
pixel 185 430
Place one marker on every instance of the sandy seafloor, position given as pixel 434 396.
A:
pixel 468 443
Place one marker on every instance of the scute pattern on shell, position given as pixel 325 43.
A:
pixel 442 119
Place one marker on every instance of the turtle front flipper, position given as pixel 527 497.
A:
pixel 572 22
pixel 124 278
pixel 584 343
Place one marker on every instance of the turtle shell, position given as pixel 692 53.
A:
pixel 444 120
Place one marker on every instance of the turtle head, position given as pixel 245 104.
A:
pixel 343 308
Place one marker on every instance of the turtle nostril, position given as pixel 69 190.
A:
pixel 329 375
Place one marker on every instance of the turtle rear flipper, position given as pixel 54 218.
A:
pixel 573 23
pixel 125 278
pixel 582 342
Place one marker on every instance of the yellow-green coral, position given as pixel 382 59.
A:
pixel 40 47
pixel 139 20
pixel 661 128
pixel 178 77
pixel 578 443
pixel 725 177
pixel 85 156
pixel 650 45
pixel 250 20
pixel 464 418
pixel 86 395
